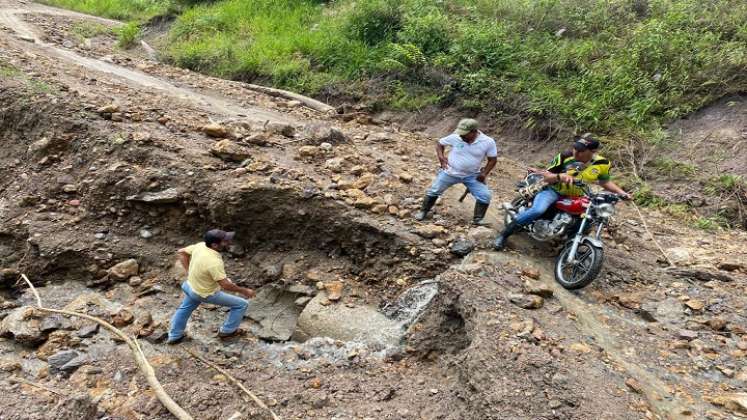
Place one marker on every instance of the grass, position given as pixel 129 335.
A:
pixel 128 34
pixel 608 66
pixel 125 10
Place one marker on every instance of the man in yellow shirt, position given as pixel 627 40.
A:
pixel 206 276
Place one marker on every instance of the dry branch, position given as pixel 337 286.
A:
pixel 137 353
pixel 15 379
pixel 653 239
pixel 234 381
pixel 306 101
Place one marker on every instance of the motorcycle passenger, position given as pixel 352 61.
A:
pixel 582 163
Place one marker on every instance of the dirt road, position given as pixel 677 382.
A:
pixel 112 156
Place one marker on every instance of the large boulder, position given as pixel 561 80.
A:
pixel 276 312
pixel 363 323
pixel 24 326
pixel 125 269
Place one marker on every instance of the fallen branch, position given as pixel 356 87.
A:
pixel 234 381
pixel 645 226
pixel 137 353
pixel 305 100
pixel 15 379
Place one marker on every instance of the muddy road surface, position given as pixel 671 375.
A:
pixel 112 161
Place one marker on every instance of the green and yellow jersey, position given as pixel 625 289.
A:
pixel 598 169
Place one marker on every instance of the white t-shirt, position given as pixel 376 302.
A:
pixel 465 158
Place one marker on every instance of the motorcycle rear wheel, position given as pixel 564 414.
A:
pixel 576 275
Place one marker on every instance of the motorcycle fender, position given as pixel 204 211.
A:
pixel 597 243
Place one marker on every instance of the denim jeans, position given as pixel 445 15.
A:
pixel 443 181
pixel 542 201
pixel 192 300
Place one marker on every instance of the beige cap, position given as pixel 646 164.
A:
pixel 465 126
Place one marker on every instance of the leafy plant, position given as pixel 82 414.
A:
pixel 128 34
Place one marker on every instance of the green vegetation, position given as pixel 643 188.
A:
pixel 601 65
pixel 128 34
pixel 86 29
pixel 117 9
pixel 674 168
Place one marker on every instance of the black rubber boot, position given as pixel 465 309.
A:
pixel 480 210
pixel 500 241
pixel 427 205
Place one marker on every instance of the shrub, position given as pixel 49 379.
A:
pixel 374 21
pixel 128 34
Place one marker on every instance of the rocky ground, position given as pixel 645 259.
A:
pixel 112 161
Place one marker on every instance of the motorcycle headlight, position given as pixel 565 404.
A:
pixel 605 210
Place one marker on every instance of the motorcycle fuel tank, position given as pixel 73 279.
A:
pixel 572 205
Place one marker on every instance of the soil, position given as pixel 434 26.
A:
pixel 107 157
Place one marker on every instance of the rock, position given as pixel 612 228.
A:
pixel 53 322
pixel 735 402
pixel 730 266
pixel 308 151
pixel 334 290
pixel 700 273
pixel 482 236
pixel 59 359
pixel 340 322
pixel 334 165
pixel 364 181
pixel 634 385
pixel 276 312
pixel 532 273
pixel 668 311
pixel 695 304
pixel 8 276
pixel 717 324
pixel 283 129
pixel 580 348
pixel 167 196
pixel 526 301
pixel 75 363
pixel 364 203
pixel 405 177
pixel 122 318
pixel 302 301
pixel 230 151
pixel 320 401
pixel 39 146
pixel 462 247
pixel 24 325
pixel 381 137
pixel 215 130
pixel 430 231
pixel 688 335
pixel 88 330
pixel 325 147
pixel 317 133
pixel 124 270
pixel 534 287
pixel 108 109
pixel 69 188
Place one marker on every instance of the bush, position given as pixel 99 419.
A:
pixel 128 35
pixel 374 21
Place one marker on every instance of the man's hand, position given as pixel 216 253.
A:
pixel 625 196
pixel 566 179
pixel 248 293
pixel 444 163
pixel 481 178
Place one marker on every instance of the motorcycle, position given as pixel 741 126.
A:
pixel 570 220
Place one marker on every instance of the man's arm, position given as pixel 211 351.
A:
pixel 184 258
pixel 229 286
pixel 441 153
pixel 486 170
pixel 612 187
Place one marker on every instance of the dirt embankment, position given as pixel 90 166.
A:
pixel 113 160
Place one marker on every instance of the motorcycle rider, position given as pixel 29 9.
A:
pixel 582 163
pixel 469 146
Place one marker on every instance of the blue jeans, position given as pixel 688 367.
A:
pixel 192 300
pixel 443 181
pixel 542 201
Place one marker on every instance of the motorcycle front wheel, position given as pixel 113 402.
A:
pixel 583 271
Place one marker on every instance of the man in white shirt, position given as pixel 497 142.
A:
pixel 469 147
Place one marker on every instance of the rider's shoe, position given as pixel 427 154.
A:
pixel 479 217
pixel 428 202
pixel 502 239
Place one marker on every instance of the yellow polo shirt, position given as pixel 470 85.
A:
pixel 205 269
